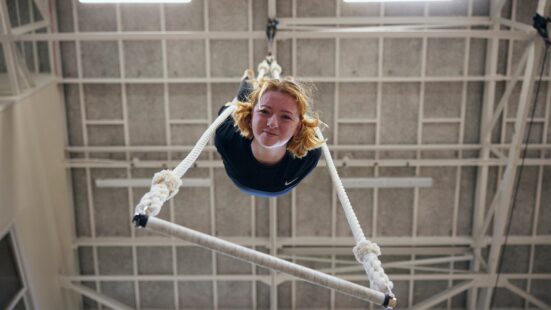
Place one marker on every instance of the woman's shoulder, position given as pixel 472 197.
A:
pixel 311 158
pixel 313 154
pixel 225 126
pixel 228 135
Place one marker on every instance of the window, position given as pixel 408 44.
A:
pixel 13 291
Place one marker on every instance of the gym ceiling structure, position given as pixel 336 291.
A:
pixel 437 119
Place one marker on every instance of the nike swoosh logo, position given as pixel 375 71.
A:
pixel 287 183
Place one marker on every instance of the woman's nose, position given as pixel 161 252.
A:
pixel 272 122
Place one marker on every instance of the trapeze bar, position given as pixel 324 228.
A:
pixel 265 260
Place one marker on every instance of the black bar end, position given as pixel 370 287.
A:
pixel 389 302
pixel 140 220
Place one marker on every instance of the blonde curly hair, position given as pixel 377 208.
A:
pixel 306 139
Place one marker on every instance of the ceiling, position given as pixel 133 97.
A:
pixel 406 89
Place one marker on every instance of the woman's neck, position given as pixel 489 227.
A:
pixel 267 156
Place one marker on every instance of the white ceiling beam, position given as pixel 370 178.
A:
pixel 387 182
pixel 492 50
pixel 9 50
pixel 494 162
pixel 496 7
pixel 340 147
pixel 93 294
pixel 212 201
pixel 124 183
pixel 272 9
pixel 235 80
pixel 498 153
pixel 480 279
pixel 391 245
pixel 352 269
pixel 529 297
pixel 501 217
pixel 42 7
pixel 430 261
pixel 41 82
pixel 516 25
pixel 273 250
pixel 488 127
pixel 29 28
pixel 386 250
pixel 410 264
pixel 436 299
pixel 17 299
pixel 191 278
pixel 375 28
pixel 375 32
pixel 23 70
pixel 387 20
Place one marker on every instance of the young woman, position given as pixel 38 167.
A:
pixel 269 144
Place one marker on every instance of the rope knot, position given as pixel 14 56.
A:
pixel 264 66
pixel 366 253
pixel 164 185
pixel 365 247
pixel 169 179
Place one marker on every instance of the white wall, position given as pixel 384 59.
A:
pixel 33 191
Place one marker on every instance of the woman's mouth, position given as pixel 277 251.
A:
pixel 269 133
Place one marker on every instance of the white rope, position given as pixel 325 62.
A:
pixel 183 167
pixel 263 69
pixel 275 69
pixel 268 261
pixel 166 183
pixel 365 251
pixel 269 67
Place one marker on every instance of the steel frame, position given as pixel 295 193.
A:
pixel 503 156
pixel 92 294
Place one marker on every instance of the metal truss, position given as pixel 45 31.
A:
pixel 23 82
pixel 499 209
pixel 481 276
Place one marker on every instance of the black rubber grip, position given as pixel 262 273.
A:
pixel 386 301
pixel 140 220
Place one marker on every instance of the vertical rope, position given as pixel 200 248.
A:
pixel 341 193
pixel 365 251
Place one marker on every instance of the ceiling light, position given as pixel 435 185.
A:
pixel 135 1
pixel 373 1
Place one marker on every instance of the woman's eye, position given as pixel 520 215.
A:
pixel 286 117
pixel 263 111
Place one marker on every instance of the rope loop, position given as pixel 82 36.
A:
pixel 378 280
pixel 169 179
pixel 365 247
pixel 164 185
pixel 264 66
pixel 366 253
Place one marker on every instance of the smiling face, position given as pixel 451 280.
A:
pixel 275 119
